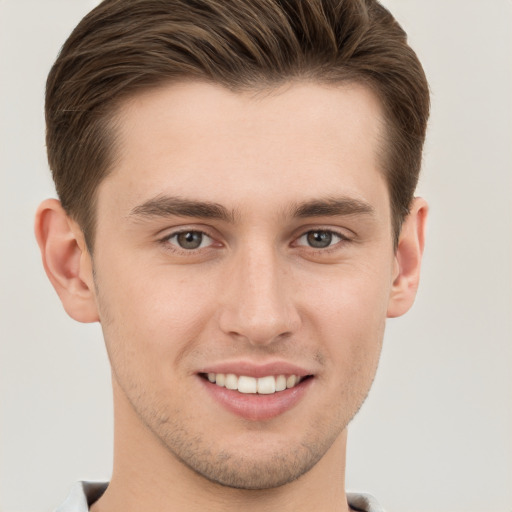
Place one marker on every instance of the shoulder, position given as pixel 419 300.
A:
pixel 82 495
pixel 363 502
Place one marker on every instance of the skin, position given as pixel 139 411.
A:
pixel 255 290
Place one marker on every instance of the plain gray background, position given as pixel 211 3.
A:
pixel 436 433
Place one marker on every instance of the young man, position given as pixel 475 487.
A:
pixel 236 183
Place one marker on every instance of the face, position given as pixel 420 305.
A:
pixel 244 245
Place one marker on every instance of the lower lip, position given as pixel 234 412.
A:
pixel 256 407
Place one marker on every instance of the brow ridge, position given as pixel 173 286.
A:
pixel 167 206
pixel 333 206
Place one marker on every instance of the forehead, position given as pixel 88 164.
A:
pixel 301 139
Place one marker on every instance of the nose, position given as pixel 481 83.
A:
pixel 257 302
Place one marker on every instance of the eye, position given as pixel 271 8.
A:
pixel 320 239
pixel 190 240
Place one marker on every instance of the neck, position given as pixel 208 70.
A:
pixel 147 476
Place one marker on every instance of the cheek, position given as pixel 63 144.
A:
pixel 349 317
pixel 354 295
pixel 151 319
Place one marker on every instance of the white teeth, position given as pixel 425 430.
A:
pixel 281 383
pixel 231 381
pixel 267 385
pixel 247 384
pixel 244 384
pixel 291 381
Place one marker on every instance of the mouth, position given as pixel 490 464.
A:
pixel 267 385
pixel 256 398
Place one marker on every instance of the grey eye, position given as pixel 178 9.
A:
pixel 190 239
pixel 319 239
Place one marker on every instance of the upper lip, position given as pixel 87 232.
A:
pixel 251 369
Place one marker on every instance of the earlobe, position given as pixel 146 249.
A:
pixel 408 260
pixel 66 260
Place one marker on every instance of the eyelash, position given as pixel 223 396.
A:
pixel 332 234
pixel 167 241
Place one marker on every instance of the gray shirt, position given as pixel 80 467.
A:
pixel 84 494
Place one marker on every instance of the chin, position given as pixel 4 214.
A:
pixel 260 464
pixel 250 474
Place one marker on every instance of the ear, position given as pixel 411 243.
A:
pixel 408 259
pixel 66 260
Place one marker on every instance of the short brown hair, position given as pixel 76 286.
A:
pixel 125 46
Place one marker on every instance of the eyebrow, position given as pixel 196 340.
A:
pixel 166 206
pixel 332 206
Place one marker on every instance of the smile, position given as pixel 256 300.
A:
pixel 251 385
pixel 257 392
